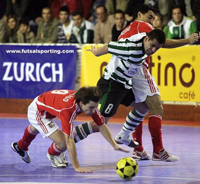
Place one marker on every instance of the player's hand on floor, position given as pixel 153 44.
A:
pixel 83 170
pixel 117 148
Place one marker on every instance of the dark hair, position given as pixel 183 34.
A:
pixel 24 21
pixel 65 9
pixel 119 11
pixel 102 6
pixel 145 8
pixel 87 94
pixel 13 17
pixel 177 7
pixel 76 12
pixel 158 35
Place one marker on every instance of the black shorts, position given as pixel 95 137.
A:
pixel 113 94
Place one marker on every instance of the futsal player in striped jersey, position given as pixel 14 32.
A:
pixel 66 105
pixel 116 83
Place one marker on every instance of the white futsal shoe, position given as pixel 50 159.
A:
pixel 56 161
pixel 141 155
pixel 164 156
pixel 63 157
pixel 24 154
pixel 127 141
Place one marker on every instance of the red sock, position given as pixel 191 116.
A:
pixel 156 132
pixel 137 136
pixel 53 150
pixel 26 139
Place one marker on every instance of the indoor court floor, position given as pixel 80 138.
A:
pixel 96 154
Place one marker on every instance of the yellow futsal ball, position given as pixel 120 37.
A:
pixel 127 168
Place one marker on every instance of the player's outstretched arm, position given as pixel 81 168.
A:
pixel 107 135
pixel 171 43
pixel 99 51
pixel 73 155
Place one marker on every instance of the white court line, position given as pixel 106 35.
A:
pixel 97 176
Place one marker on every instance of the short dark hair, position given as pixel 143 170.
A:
pixel 24 21
pixel 65 9
pixel 119 11
pixel 102 6
pixel 145 8
pixel 76 12
pixel 158 35
pixel 177 7
pixel 87 94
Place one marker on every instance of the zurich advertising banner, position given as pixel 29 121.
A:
pixel 27 71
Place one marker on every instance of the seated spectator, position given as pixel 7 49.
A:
pixel 180 26
pixel 12 28
pixel 2 32
pixel 120 24
pixel 65 26
pixel 103 28
pixel 47 28
pixel 15 7
pixel 82 31
pixel 158 21
pixel 24 35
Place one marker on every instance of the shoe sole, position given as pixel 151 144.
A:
pixel 19 155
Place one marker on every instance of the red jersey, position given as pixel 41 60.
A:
pixel 62 104
pixel 134 28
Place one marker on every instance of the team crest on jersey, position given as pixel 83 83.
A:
pixel 51 124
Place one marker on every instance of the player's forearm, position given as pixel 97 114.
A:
pixel 107 135
pixel 171 43
pixel 72 152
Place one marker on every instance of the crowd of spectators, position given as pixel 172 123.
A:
pixel 91 21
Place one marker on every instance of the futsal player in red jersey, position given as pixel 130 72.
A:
pixel 66 105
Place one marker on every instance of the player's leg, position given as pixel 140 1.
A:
pixel 134 118
pixel 112 94
pixel 155 128
pixel 21 147
pixel 56 152
pixel 146 90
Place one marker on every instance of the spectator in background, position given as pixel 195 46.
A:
pixel 15 7
pixel 82 31
pixel 180 26
pixel 24 35
pixel 158 21
pixel 47 28
pixel 74 5
pixel 2 32
pixel 120 24
pixel 113 5
pixel 12 28
pixel 65 26
pixel 103 28
pixel 93 16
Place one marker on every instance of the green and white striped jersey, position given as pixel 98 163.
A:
pixel 127 56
